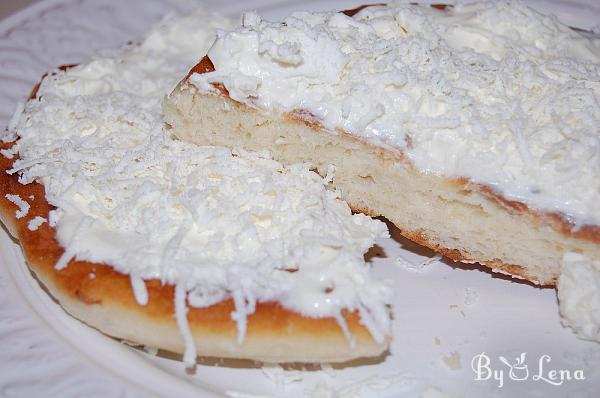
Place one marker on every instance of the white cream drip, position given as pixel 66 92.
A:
pixel 491 91
pixel 181 309
pixel 75 236
pixel 216 223
pixel 140 292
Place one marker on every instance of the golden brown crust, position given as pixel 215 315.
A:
pixel 204 66
pixel 99 285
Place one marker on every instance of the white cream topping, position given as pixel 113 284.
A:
pixel 579 295
pixel 491 91
pixel 215 222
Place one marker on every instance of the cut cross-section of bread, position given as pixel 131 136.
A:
pixel 464 220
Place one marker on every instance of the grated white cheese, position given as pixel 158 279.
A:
pixel 20 203
pixel 35 223
pixel 215 223
pixel 492 91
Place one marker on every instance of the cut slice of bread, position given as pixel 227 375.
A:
pixel 464 221
pixel 103 298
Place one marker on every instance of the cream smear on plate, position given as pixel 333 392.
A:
pixel 491 91
pixel 215 222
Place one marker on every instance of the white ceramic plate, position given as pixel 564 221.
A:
pixel 444 314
